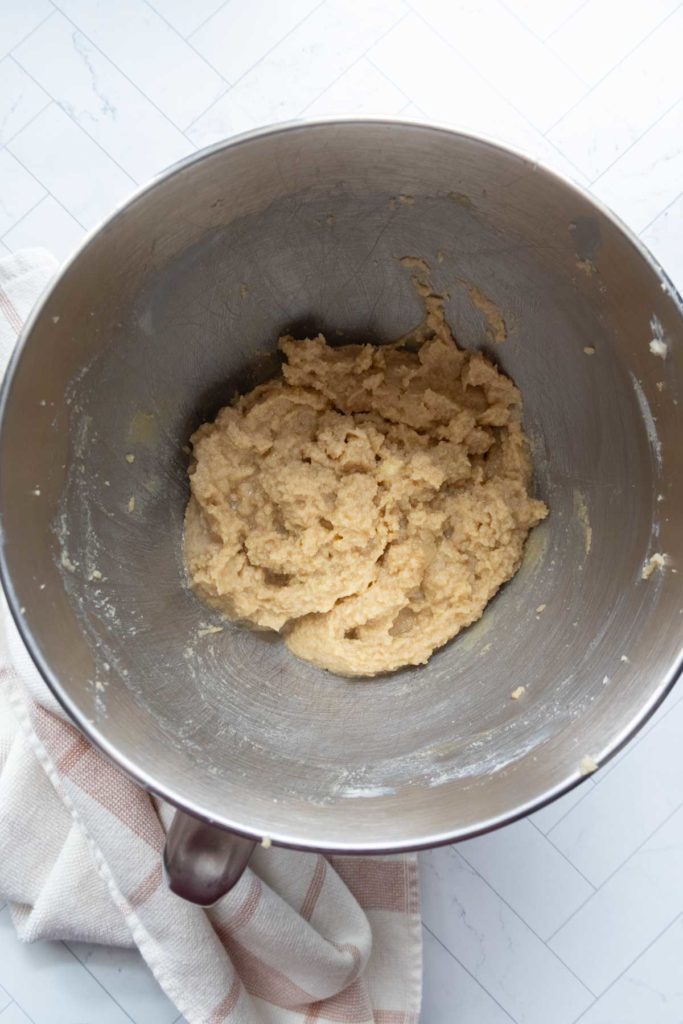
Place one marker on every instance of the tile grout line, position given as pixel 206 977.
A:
pixel 613 68
pixel 364 56
pixel 569 160
pixel 361 57
pixel 35 28
pixel 513 12
pixel 620 866
pixel 633 743
pixel 337 79
pixel 411 103
pixel 389 79
pixel 640 233
pixel 29 211
pixel 50 100
pixel 588 791
pixel 201 24
pixel 123 74
pixel 582 904
pixel 206 111
pixel 630 965
pixel 418 13
pixel 187 39
pixel 47 192
pixel 562 854
pixel 544 42
pixel 21 1009
pixel 333 83
pixel 96 979
pixel 255 64
pixel 544 942
pixel 6 907
pixel 563 22
pixel 467 971
pixel 653 124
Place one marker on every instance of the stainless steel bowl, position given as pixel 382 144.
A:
pixel 175 304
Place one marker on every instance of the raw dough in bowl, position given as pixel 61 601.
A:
pixel 369 504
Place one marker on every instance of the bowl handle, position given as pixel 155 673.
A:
pixel 202 862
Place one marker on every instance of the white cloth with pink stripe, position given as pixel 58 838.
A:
pixel 301 938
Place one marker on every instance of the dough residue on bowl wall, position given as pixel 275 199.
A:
pixel 369 503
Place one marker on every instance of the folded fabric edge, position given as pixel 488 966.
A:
pixel 137 929
pixel 26 261
pixel 416 983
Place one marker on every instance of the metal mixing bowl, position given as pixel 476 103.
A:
pixel 173 306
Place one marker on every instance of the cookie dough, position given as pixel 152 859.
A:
pixel 368 505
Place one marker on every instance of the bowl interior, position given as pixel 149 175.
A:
pixel 175 305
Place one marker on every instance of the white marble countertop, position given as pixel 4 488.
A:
pixel 575 913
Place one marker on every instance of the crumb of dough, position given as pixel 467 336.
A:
pixel 209 630
pixel 589 350
pixel 656 561
pixel 581 513
pixel 624 658
pixel 588 765
pixel 495 324
pixel 131 504
pixel 66 562
pixel 660 385
pixel 659 348
pixel 586 267
pixel 130 457
pixel 266 842
pixel 96 574
pixel 541 608
pixel 368 504
pixel 406 200
pixel 461 199
pixel 519 692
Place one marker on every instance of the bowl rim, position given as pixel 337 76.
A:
pixel 75 714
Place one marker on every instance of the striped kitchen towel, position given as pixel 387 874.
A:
pixel 300 939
